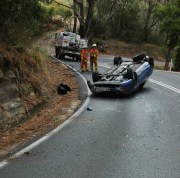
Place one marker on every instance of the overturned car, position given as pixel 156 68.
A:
pixel 124 77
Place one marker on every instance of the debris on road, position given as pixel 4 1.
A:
pixel 89 108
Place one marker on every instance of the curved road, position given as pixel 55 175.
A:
pixel 122 137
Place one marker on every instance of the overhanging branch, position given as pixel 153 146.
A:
pixel 121 4
pixel 69 7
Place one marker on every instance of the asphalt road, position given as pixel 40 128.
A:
pixel 122 137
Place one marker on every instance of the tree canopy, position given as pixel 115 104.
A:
pixel 169 20
pixel 149 21
pixel 20 19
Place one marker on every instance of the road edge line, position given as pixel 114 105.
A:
pixel 57 129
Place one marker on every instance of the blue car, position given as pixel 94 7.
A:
pixel 124 77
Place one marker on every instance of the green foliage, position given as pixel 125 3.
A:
pixel 20 20
pixel 169 16
pixel 65 13
pixel 130 25
pixel 59 10
pixel 114 21
pixel 156 38
pixel 98 28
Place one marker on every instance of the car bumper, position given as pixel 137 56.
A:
pixel 120 90
pixel 109 89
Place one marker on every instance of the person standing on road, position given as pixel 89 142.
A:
pixel 93 57
pixel 84 59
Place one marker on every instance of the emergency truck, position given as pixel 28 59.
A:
pixel 69 44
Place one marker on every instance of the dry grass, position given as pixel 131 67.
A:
pixel 38 70
pixel 120 48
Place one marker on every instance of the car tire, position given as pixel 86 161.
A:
pixel 142 86
pixel 139 57
pixel 117 61
pixel 151 62
pixel 95 76
pixel 135 78
pixel 131 74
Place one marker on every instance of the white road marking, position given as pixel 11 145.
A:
pixel 105 66
pixel 50 134
pixel 165 85
pixel 53 132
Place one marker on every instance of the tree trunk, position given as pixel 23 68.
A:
pixel 147 21
pixel 85 24
pixel 89 17
pixel 75 25
pixel 168 59
pixel 81 20
pixel 75 18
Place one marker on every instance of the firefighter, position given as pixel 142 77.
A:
pixel 84 59
pixel 93 57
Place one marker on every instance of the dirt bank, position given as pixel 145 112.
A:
pixel 53 113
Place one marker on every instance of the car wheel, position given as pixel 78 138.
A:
pixel 151 62
pixel 117 61
pixel 139 57
pixel 131 74
pixel 95 76
pixel 95 93
pixel 135 78
pixel 62 56
pixel 142 86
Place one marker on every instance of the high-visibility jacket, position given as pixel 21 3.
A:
pixel 84 55
pixel 93 54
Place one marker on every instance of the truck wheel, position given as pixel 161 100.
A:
pixel 117 61
pixel 56 51
pixel 78 58
pixel 142 86
pixel 61 56
pixel 95 76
